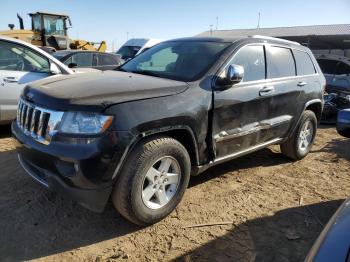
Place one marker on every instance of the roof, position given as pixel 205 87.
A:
pixel 47 13
pixel 68 51
pixel 205 39
pixel 74 51
pixel 251 39
pixel 314 36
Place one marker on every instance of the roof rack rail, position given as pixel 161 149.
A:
pixel 275 38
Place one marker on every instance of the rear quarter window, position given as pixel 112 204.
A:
pixel 304 63
pixel 280 62
pixel 104 59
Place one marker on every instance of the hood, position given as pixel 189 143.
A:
pixel 99 89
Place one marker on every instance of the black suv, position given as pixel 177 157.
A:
pixel 137 134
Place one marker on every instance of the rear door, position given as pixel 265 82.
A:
pixel 19 65
pixel 284 104
pixel 240 110
pixel 82 59
pixel 106 62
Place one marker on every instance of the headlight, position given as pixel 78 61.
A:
pixel 84 123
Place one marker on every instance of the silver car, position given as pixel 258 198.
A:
pixel 21 63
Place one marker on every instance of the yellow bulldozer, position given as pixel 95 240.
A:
pixel 49 31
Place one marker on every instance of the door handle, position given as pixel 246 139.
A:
pixel 10 79
pixel 302 84
pixel 267 90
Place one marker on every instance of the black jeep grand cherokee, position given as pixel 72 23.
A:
pixel 137 134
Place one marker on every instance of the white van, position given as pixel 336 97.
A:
pixel 135 46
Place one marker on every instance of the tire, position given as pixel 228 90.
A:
pixel 140 180
pixel 292 148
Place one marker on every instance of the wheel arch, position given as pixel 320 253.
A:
pixel 314 105
pixel 183 134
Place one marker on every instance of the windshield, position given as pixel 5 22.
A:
pixel 54 25
pixel 128 52
pixel 184 61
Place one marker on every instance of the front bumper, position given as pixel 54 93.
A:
pixel 82 172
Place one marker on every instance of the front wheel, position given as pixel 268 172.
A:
pixel 301 141
pixel 153 180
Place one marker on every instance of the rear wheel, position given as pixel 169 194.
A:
pixel 152 181
pixel 300 143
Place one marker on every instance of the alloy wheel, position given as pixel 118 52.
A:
pixel 161 182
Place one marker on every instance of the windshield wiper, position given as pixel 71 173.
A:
pixel 145 72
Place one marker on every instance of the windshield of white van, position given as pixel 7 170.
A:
pixel 128 52
pixel 178 60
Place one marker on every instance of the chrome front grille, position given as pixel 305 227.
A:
pixel 39 123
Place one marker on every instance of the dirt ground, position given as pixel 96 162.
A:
pixel 277 209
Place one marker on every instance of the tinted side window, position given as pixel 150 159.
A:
pixel 342 69
pixel 253 60
pixel 327 66
pixel 16 57
pixel 104 59
pixel 304 63
pixel 280 62
pixel 82 59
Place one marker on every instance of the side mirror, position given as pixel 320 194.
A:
pixel 232 75
pixel 54 69
pixel 72 65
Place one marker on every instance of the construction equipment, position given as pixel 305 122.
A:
pixel 49 30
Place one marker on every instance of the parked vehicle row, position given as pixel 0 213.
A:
pixel 136 135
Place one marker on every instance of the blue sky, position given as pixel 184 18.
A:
pixel 111 20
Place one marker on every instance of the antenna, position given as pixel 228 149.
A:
pixel 258 20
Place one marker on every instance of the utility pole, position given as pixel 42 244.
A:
pixel 127 36
pixel 211 29
pixel 217 23
pixel 258 20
